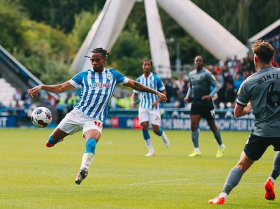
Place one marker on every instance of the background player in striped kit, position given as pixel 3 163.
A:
pixel 200 92
pixel 97 86
pixel 261 93
pixel 149 106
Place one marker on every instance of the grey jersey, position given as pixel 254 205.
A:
pixel 263 90
pixel 200 85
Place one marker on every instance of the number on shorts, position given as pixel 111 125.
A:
pixel 213 113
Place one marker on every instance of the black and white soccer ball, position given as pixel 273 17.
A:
pixel 41 117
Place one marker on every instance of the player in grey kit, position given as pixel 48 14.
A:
pixel 260 92
pixel 200 92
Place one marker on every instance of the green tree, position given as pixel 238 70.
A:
pixel 11 15
pixel 128 52
pixel 83 24
pixel 59 14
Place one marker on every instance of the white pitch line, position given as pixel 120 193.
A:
pixel 161 181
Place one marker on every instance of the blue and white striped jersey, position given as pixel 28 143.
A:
pixel 154 82
pixel 96 90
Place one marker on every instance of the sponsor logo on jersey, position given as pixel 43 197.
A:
pixel 100 85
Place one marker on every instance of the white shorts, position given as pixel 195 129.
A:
pixel 152 116
pixel 76 120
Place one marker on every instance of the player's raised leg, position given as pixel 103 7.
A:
pixel 56 136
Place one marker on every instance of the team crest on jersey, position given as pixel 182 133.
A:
pixel 238 92
pixel 109 77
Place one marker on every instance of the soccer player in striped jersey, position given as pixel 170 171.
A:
pixel 149 106
pixel 97 86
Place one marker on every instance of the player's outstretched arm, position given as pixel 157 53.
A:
pixel 140 87
pixel 58 88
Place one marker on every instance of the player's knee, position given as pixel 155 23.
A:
pixel 90 146
pixel 194 128
pixel 144 128
pixel 158 131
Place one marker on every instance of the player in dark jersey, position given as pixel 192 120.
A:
pixel 261 93
pixel 200 92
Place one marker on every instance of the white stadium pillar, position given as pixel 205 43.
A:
pixel 158 46
pixel 207 31
pixel 104 32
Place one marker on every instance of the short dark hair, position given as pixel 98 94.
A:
pixel 263 50
pixel 147 60
pixel 104 52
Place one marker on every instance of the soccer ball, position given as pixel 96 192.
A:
pixel 41 117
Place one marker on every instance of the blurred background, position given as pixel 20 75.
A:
pixel 39 41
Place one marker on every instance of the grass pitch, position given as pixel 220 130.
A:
pixel 33 176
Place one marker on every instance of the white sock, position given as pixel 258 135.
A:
pixel 223 194
pixel 272 179
pixel 150 146
pixel 197 149
pixel 87 160
pixel 222 146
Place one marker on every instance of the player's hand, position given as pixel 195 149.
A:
pixel 34 91
pixel 133 105
pixel 206 97
pixel 155 104
pixel 162 97
pixel 186 99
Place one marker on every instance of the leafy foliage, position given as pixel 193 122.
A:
pixel 45 51
pixel 59 14
pixel 129 51
pixel 83 23
pixel 46 35
pixel 11 16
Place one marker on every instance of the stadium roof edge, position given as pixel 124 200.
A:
pixel 265 31
pixel 21 67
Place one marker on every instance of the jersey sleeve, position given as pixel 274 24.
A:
pixel 189 93
pixel 160 84
pixel 120 79
pixel 214 83
pixel 77 80
pixel 242 95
